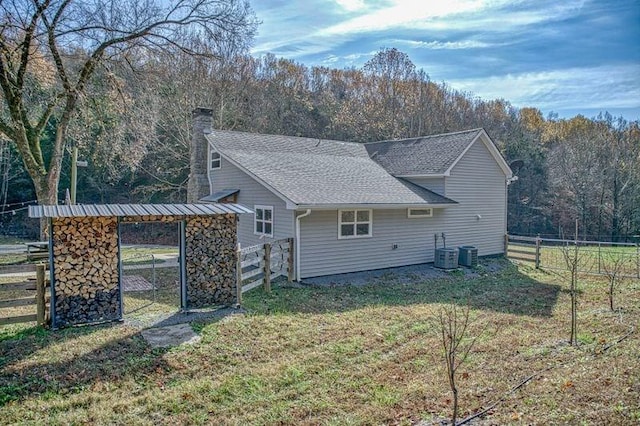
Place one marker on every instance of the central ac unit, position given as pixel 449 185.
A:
pixel 446 258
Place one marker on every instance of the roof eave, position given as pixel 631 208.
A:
pixel 431 175
pixel 377 206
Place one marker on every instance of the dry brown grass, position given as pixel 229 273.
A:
pixel 342 355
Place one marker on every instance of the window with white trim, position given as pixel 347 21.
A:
pixel 264 220
pixel 422 212
pixel 214 160
pixel 355 223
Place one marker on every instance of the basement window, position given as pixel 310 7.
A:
pixel 264 220
pixel 354 223
pixel 416 213
pixel 214 162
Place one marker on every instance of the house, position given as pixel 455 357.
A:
pixel 352 206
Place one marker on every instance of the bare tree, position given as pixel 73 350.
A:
pixel 50 51
pixel 614 264
pixel 572 258
pixel 453 322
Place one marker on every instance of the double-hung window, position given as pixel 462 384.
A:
pixel 354 223
pixel 214 160
pixel 264 220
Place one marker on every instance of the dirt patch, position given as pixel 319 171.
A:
pixel 171 335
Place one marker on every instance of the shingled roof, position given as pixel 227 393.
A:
pixel 426 155
pixel 316 172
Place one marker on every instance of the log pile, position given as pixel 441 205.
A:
pixel 85 270
pixel 152 218
pixel 211 260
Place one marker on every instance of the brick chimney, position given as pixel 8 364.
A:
pixel 198 185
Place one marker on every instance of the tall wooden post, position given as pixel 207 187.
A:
pixel 506 244
pixel 238 276
pixel 538 252
pixel 267 267
pixel 290 270
pixel 40 287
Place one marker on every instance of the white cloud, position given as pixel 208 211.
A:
pixel 347 60
pixel 351 5
pixel 605 87
pixel 402 13
pixel 448 45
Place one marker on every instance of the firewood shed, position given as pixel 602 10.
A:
pixel 84 254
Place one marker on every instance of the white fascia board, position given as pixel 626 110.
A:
pixel 493 150
pixel 438 175
pixel 372 206
pixel 290 205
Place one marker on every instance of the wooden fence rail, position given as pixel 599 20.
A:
pixel 596 259
pixel 25 282
pixel 260 264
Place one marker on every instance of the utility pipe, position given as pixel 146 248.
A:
pixel 305 214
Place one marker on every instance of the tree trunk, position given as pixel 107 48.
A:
pixel 615 209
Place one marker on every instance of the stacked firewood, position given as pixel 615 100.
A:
pixel 86 270
pixel 211 260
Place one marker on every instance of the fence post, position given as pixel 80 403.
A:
pixel 538 252
pixel 506 245
pixel 238 277
pixel 267 267
pixel 40 281
pixel 290 261
pixel 599 256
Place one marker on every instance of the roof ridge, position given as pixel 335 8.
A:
pixel 477 129
pixel 286 136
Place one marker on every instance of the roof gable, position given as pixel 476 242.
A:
pixel 432 155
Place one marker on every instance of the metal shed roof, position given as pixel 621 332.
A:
pixel 124 210
pixel 217 196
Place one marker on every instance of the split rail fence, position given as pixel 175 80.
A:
pixel 27 287
pixel 596 257
pixel 260 264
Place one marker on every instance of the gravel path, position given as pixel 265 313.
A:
pixel 404 274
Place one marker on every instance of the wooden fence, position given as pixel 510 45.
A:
pixel 596 257
pixel 259 265
pixel 28 279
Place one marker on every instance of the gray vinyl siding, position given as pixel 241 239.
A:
pixel 252 193
pixel 436 185
pixel 478 184
pixel 322 253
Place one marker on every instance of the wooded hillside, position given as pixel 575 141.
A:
pixel 134 122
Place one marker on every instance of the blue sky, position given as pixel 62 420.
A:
pixel 569 57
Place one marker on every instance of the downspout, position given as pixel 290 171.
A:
pixel 305 214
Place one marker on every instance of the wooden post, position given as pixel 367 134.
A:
pixel 506 245
pixel 538 252
pixel 40 281
pixel 238 276
pixel 267 267
pixel 290 261
pixel 638 260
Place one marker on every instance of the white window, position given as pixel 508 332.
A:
pixel 264 220
pixel 354 223
pixel 425 212
pixel 214 160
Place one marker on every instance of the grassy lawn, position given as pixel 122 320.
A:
pixel 342 355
